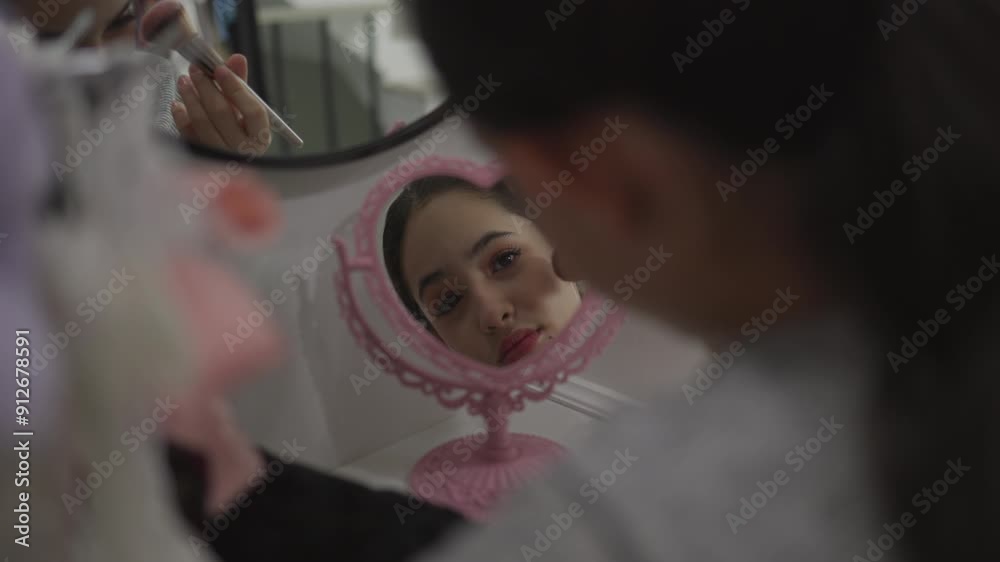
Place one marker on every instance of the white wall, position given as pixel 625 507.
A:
pixel 402 63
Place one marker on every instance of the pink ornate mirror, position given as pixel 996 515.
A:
pixel 470 312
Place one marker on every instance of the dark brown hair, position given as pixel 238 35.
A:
pixel 896 81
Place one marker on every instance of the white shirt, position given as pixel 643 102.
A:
pixel 768 464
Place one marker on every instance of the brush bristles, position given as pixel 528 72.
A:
pixel 167 18
pixel 199 52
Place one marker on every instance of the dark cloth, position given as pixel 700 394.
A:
pixel 306 515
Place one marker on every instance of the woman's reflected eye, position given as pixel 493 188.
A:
pixel 445 304
pixel 504 259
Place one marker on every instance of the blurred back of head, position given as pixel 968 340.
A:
pixel 901 80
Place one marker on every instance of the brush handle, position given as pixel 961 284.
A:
pixel 276 120
pixel 198 52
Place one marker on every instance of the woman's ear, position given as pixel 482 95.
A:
pixel 540 162
pixel 593 167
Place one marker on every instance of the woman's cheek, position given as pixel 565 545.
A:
pixel 537 276
pixel 548 295
pixel 459 340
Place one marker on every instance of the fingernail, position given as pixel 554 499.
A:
pixel 184 82
pixel 181 118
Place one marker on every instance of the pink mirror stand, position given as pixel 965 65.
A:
pixel 471 473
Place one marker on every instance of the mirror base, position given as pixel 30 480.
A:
pixel 464 475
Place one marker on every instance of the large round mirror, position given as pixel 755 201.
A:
pixel 259 78
pixel 343 73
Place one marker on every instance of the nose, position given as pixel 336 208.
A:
pixel 495 311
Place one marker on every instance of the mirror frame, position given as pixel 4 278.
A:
pixel 343 156
pixel 249 43
pixel 547 368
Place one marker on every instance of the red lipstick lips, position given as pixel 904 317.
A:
pixel 518 344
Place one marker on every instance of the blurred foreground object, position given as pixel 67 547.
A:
pixel 137 294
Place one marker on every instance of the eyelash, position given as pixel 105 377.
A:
pixel 512 251
pixel 447 307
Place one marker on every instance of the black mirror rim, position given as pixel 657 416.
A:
pixel 346 155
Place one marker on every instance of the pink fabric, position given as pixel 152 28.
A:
pixel 215 302
pixel 248 215
pixel 221 313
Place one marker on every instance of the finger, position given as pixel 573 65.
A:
pixel 204 131
pixel 238 64
pixel 182 120
pixel 255 121
pixel 220 111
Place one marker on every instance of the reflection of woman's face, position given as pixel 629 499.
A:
pixel 113 19
pixel 483 277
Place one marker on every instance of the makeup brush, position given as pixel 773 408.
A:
pixel 167 26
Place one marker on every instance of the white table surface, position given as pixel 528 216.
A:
pixel 388 468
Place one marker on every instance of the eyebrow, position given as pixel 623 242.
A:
pixel 473 252
pixel 484 241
